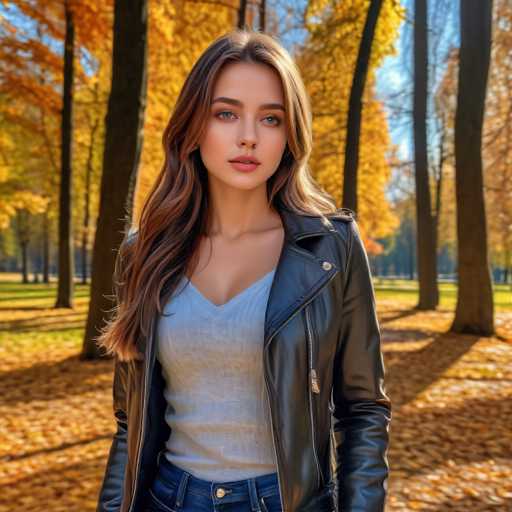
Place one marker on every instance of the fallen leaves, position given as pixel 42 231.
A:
pixel 451 437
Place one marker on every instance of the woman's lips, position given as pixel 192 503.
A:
pixel 240 166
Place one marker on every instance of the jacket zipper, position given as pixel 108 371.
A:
pixel 312 387
pixel 143 421
pixel 266 345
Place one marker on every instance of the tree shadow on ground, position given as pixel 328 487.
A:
pixel 54 449
pixel 51 380
pixel 61 486
pixel 411 372
pixel 44 319
pixel 474 504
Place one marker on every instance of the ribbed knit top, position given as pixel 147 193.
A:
pixel 212 363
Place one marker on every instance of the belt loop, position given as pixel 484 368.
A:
pixel 182 489
pixel 253 495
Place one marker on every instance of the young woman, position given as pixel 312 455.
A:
pixel 248 369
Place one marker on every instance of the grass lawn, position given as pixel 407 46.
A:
pixel 406 292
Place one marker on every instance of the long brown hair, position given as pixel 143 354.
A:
pixel 175 214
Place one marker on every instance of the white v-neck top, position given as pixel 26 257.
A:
pixel 212 363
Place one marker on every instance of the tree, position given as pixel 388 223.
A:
pixel 242 14
pixel 474 310
pixel 355 107
pixel 497 142
pixel 262 15
pixel 327 61
pixel 426 248
pixel 123 145
pixel 66 253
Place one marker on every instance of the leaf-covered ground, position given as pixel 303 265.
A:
pixel 451 435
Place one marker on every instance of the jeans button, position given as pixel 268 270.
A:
pixel 220 493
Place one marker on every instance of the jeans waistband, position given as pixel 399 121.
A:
pixel 251 489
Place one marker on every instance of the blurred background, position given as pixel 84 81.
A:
pixel 412 117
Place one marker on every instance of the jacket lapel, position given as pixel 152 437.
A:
pixel 300 273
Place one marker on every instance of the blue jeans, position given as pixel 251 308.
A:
pixel 176 490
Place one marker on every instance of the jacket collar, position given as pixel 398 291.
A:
pixel 301 225
pixel 301 272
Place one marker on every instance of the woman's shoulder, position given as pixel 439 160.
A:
pixel 343 221
pixel 131 236
pixel 342 215
pixel 128 240
pixel 344 225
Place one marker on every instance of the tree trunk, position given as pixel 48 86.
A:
pixel 262 15
pixel 46 248
pixel 87 202
pixel 23 235
pixel 355 107
pixel 439 185
pixel 242 14
pixel 474 312
pixel 411 252
pixel 426 249
pixel 66 255
pixel 123 145
pixel 24 261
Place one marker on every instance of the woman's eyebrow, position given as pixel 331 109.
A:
pixel 238 103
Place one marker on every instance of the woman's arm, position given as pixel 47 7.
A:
pixel 362 410
pixel 111 492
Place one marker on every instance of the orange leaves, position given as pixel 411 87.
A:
pixel 31 65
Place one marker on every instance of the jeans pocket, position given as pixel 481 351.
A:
pixel 271 503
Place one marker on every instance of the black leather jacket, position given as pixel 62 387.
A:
pixel 324 376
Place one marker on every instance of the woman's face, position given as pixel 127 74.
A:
pixel 241 122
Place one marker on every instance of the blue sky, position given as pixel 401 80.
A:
pixel 395 76
pixel 396 72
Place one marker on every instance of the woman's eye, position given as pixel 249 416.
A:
pixel 220 115
pixel 278 121
pixel 224 112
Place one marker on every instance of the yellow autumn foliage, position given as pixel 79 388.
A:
pixel 327 63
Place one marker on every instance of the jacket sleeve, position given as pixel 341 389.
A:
pixel 362 410
pixel 111 491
